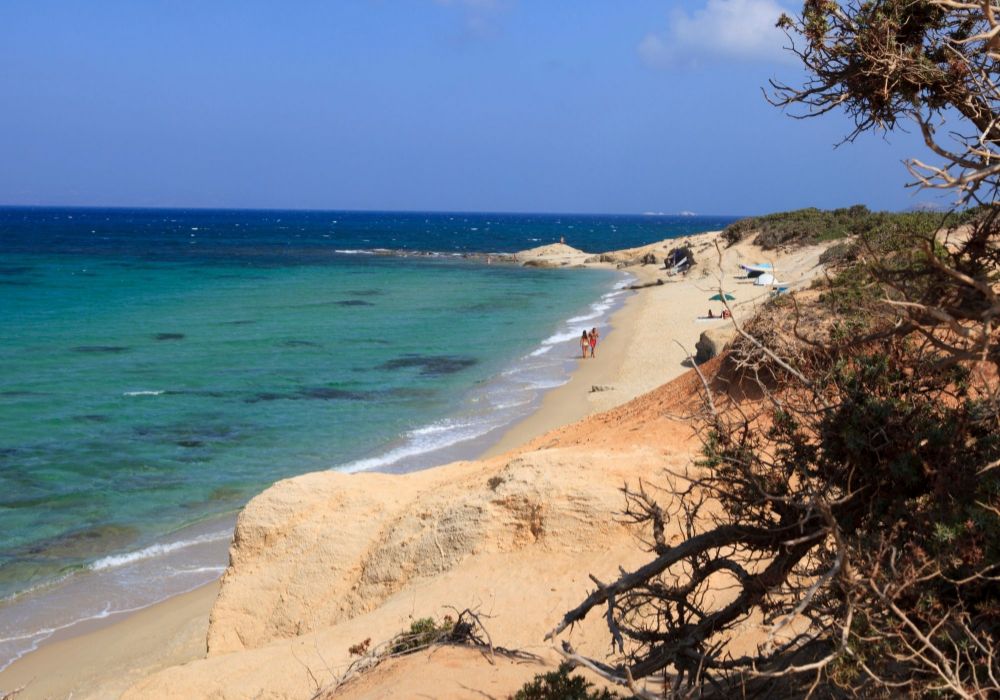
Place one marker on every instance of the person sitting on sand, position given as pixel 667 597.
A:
pixel 726 313
pixel 593 341
pixel 584 343
pixel 710 314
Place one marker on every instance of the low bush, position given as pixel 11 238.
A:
pixel 560 685
pixel 422 633
pixel 811 225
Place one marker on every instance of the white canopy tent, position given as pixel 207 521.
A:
pixel 756 267
pixel 755 270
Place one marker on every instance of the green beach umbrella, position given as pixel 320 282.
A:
pixel 722 297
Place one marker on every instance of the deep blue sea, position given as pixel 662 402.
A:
pixel 160 367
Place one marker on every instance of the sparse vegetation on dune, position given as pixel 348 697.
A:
pixel 561 685
pixel 466 629
pixel 810 226
pixel 847 500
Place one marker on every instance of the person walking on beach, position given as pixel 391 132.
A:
pixel 593 341
pixel 584 343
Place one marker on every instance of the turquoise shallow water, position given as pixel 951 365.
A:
pixel 140 397
pixel 160 368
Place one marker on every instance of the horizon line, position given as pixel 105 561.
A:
pixel 649 214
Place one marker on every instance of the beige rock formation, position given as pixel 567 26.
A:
pixel 552 255
pixel 651 254
pixel 325 560
pixel 712 342
pixel 313 551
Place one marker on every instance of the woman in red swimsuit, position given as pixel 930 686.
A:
pixel 593 341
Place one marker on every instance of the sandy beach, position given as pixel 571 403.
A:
pixel 554 546
pixel 656 330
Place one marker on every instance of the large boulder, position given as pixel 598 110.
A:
pixel 319 549
pixel 711 343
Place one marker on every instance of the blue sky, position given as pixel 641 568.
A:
pixel 471 105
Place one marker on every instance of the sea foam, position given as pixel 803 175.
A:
pixel 156 550
pixel 498 402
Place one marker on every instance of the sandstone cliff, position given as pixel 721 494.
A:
pixel 326 560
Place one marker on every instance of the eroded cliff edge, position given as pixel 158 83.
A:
pixel 325 560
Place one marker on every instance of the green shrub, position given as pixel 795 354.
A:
pixel 839 254
pixel 560 685
pixel 809 226
pixel 422 633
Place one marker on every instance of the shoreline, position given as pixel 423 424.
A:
pixel 172 620
pixel 510 395
pixel 102 658
pixel 88 607
pixel 72 646
pixel 575 400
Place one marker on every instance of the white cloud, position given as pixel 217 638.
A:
pixel 721 30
